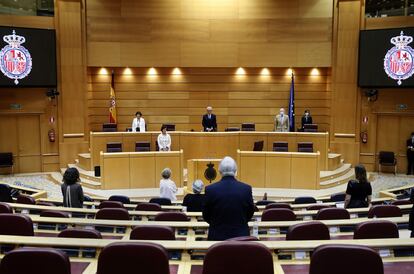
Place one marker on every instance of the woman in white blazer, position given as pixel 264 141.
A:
pixel 164 140
pixel 138 124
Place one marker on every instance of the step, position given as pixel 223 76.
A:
pixel 339 180
pixel 329 175
pixel 84 181
pixel 84 161
pixel 334 161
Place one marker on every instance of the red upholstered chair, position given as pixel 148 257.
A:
pixel 171 217
pixel 278 205
pixel 123 257
pixel 25 199
pixel 148 207
pixel 251 257
pixel 281 146
pixel 264 202
pixel 45 204
pixel 160 201
pixel 244 239
pixel 304 200
pixel 54 214
pixel 16 224
pixel 376 229
pixel 305 147
pixel 152 232
pixel 308 231
pixel 110 204
pixel 345 259
pixel 80 233
pixel 332 213
pixel 120 198
pixel 5 208
pixel 5 193
pixel 317 207
pixel 402 202
pixel 278 214
pixel 35 261
pixel 112 214
pixel 384 211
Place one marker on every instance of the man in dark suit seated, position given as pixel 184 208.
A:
pixel 228 205
pixel 209 120
pixel 306 119
pixel 410 154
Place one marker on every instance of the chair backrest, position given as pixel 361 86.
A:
pixel 317 207
pixel 120 198
pixel 5 193
pixel 384 211
pixel 109 127
pixel 252 257
pixel 6 159
pixel 258 146
pixel 25 199
pixel 305 147
pixel 142 146
pixel 244 239
pixel 16 224
pixel 376 229
pixel 170 127
pixel 402 202
pixel 44 204
pixel 110 204
pixel 338 197
pixel 123 257
pixel 248 127
pixel 278 214
pixel 310 127
pixel 332 213
pixel 80 233
pixel 308 231
pixel 304 200
pixel 128 129
pixel 264 202
pixel 114 147
pixel 232 129
pixel 344 259
pixel 152 232
pixel 54 214
pixel 112 214
pixel 160 201
pixel 281 146
pixel 35 261
pixel 278 205
pixel 5 208
pixel 386 157
pixel 148 207
pixel 171 217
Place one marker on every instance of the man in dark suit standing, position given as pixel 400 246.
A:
pixel 228 205
pixel 209 120
pixel 306 119
pixel 410 154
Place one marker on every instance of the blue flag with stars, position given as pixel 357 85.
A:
pixel 292 105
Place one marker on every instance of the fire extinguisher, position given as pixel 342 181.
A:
pixel 52 135
pixel 364 137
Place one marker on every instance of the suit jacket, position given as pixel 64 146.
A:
pixel 306 120
pixel 209 123
pixel 411 219
pixel 228 207
pixel 282 124
pixel 410 153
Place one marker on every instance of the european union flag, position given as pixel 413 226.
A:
pixel 292 104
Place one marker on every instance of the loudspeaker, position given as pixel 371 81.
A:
pixel 97 171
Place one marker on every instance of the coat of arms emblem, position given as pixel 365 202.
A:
pixel 15 60
pixel 398 62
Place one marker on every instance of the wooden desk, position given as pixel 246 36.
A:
pixel 202 145
pixel 139 169
pixel 279 169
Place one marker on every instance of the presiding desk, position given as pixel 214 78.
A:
pixel 214 145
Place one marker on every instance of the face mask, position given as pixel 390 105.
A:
pixel 306 114
pixel 281 113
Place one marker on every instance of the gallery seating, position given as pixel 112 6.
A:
pixel 376 229
pixel 308 231
pixel 152 232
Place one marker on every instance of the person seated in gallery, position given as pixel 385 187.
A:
pixel 164 140
pixel 359 190
pixel 306 119
pixel 228 205
pixel 195 202
pixel 138 124
pixel 71 189
pixel 209 120
pixel 168 189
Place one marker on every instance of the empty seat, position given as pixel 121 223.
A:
pixel 332 213
pixel 6 160
pixel 109 127
pixel 248 127
pixel 281 146
pixel 308 231
pixel 244 239
pixel 338 197
pixel 35 261
pixel 112 214
pixel 376 229
pixel 124 257
pixel 402 202
pixel 5 193
pixel 80 233
pixel 54 214
pixel 258 146
pixel 278 205
pixel 345 259
pixel 152 232
pixel 114 147
pixel 264 202
pixel 305 147
pixel 305 200
pixel 45 204
pixel 25 199
pixel 310 127
pixel 251 257
pixel 232 129
pixel 16 224
pixel 171 217
pixel 148 207
pixel 278 214
pixel 384 211
pixel 110 204
pixel 170 127
pixel 120 198
pixel 142 146
pixel 317 207
pixel 387 158
pixel 5 208
pixel 160 201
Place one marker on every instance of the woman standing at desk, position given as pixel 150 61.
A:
pixel 164 140
pixel 138 124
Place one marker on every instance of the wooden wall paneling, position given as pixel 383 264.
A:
pixel 249 171
pixel 173 161
pixel 142 170
pixel 278 169
pixel 309 176
pixel 40 22
pixel 389 22
pixel 116 170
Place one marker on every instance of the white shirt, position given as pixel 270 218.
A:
pixel 168 189
pixel 140 124
pixel 164 142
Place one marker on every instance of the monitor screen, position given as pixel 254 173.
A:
pixel 386 58
pixel 27 57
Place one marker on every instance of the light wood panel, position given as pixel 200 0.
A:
pixel 196 169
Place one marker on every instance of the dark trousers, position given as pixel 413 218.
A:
pixel 410 160
pixel 412 234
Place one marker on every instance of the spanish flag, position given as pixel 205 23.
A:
pixel 112 102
